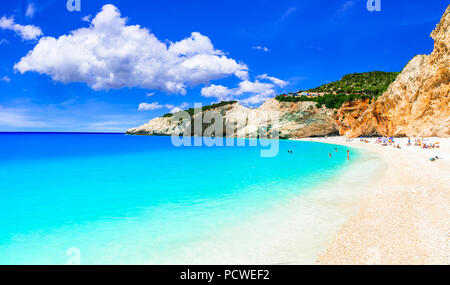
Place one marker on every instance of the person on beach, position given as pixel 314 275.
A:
pixel 348 154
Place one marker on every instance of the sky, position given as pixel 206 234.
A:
pixel 117 64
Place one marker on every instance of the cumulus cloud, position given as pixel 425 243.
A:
pixel 110 54
pixel 26 32
pixel 241 74
pixel 255 99
pixel 220 92
pixel 264 49
pixel 255 91
pixel 31 9
pixel 275 80
pixel 150 94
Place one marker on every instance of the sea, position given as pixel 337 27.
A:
pixel 85 198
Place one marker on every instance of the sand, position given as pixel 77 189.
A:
pixel 404 218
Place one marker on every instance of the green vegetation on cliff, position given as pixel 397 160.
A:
pixel 356 86
pixel 331 101
pixel 369 83
pixel 205 108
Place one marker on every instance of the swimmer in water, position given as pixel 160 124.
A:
pixel 329 155
pixel 335 149
pixel 348 154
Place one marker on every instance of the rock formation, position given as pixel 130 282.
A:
pixel 417 103
pixel 301 119
pixel 349 113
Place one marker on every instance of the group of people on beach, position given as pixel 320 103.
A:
pixel 420 143
pixel 385 141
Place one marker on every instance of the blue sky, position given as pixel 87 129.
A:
pixel 111 74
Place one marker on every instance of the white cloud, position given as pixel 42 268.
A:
pixel 259 92
pixel 255 99
pixel 176 109
pixel 5 79
pixel 275 80
pixel 150 94
pixel 110 54
pixel 220 92
pixel 153 106
pixel 264 49
pixel 31 9
pixel 255 88
pixel 241 74
pixel 184 105
pixel 27 32
pixel 87 18
pixel 156 106
pixel 256 91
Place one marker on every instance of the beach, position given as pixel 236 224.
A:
pixel 404 214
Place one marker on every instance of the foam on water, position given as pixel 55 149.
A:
pixel 139 200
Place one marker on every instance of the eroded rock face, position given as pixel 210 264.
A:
pixel 417 103
pixel 349 113
pixel 301 119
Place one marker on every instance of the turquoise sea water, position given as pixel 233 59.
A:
pixel 117 199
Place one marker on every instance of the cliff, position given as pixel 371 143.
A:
pixel 301 119
pixel 348 114
pixel 417 103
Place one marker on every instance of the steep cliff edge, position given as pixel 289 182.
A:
pixel 301 119
pixel 347 115
pixel 417 103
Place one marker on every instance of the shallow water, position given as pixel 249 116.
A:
pixel 117 199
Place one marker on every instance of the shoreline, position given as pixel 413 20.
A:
pixel 404 216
